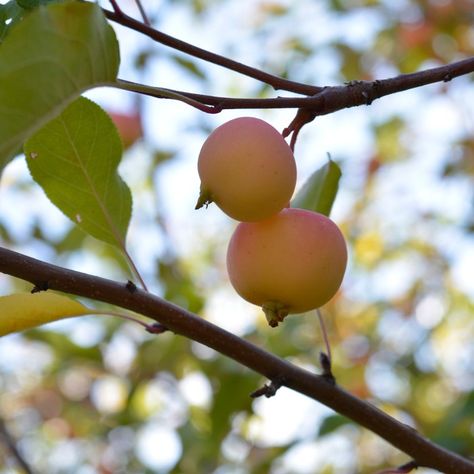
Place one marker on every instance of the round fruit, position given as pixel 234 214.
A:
pixel 246 168
pixel 290 263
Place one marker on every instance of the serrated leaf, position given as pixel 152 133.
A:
pixel 74 158
pixel 332 423
pixel 47 60
pixel 319 191
pixel 25 310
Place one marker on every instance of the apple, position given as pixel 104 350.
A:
pixel 247 169
pixel 292 262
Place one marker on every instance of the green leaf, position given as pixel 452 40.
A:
pixel 74 158
pixel 319 191
pixel 28 4
pixel 332 423
pixel 10 12
pixel 189 66
pixel 3 19
pixel 25 310
pixel 47 60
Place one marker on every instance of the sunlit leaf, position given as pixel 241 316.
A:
pixel 75 158
pixel 25 310
pixel 46 61
pixel 319 191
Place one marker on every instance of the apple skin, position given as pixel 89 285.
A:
pixel 246 168
pixel 292 262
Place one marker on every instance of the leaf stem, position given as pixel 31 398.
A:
pixel 119 315
pixel 165 94
pixel 133 267
pixel 325 335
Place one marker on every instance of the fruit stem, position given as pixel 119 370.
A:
pixel 325 335
pixel 205 198
pixel 275 312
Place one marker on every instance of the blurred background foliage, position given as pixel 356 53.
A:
pixel 98 395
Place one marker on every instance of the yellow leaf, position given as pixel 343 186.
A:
pixel 25 310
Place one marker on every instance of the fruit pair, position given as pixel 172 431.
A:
pixel 283 259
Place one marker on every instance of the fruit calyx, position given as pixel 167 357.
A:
pixel 204 199
pixel 275 312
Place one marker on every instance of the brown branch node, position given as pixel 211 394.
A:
pixel 156 328
pixel 131 287
pixel 302 117
pixel 327 370
pixel 40 286
pixel 268 390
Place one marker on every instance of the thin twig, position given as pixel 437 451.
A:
pixel 162 93
pixel 10 442
pixel 362 92
pixel 325 357
pixel 167 40
pixel 269 390
pixel 325 335
pixel 180 321
pixel 328 100
pixel 142 12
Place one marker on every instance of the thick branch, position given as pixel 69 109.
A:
pixel 330 99
pixel 180 321
pixel 167 40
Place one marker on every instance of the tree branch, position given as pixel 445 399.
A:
pixel 180 321
pixel 330 99
pixel 167 40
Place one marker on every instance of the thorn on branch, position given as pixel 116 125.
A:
pixel 268 390
pixel 405 468
pixel 40 286
pixel 326 365
pixel 131 287
pixel 156 328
